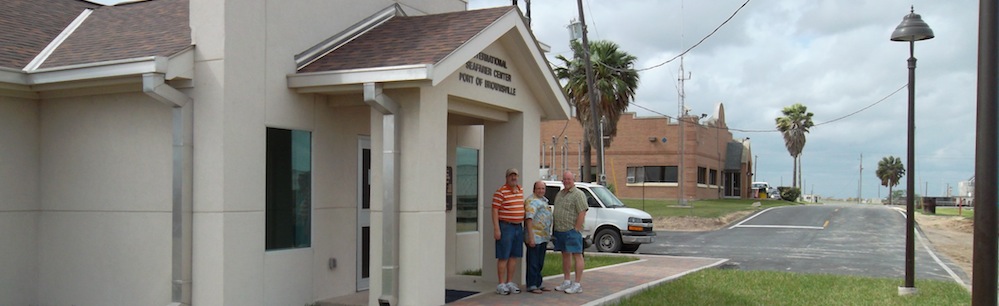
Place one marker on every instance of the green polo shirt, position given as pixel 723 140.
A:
pixel 568 205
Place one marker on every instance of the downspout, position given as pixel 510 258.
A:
pixel 154 85
pixel 391 126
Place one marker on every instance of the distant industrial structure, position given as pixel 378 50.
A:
pixel 966 192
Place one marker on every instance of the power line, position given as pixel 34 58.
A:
pixel 698 42
pixel 865 108
pixel 688 49
pixel 775 130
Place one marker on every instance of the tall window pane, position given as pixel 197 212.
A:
pixel 466 188
pixel 288 189
pixel 654 174
pixel 670 174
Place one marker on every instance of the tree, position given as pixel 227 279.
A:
pixel 890 171
pixel 614 79
pixel 793 125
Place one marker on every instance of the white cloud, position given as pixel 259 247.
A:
pixel 833 56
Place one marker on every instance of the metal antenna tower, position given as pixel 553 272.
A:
pixel 682 112
pixel 681 121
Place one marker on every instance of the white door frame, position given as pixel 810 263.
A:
pixel 363 214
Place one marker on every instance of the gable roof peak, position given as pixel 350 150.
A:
pixel 336 41
pixel 402 41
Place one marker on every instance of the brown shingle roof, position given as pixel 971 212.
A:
pixel 409 40
pixel 134 30
pixel 27 26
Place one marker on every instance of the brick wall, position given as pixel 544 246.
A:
pixel 638 143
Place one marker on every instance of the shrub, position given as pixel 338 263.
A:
pixel 789 193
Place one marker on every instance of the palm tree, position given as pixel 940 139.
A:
pixel 614 80
pixel 794 124
pixel 890 171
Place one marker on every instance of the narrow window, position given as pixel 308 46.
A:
pixel 466 188
pixel 288 189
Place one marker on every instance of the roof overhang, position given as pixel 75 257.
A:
pixel 330 81
pixel 24 84
pixel 509 29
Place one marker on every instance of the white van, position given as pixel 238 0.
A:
pixel 611 226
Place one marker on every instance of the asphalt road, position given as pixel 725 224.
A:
pixel 860 240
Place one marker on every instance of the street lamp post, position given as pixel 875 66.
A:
pixel 911 29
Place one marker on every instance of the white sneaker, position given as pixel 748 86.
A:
pixel 575 288
pixel 565 285
pixel 501 289
pixel 513 288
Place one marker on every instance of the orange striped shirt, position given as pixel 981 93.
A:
pixel 510 202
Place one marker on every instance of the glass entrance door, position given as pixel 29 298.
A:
pixel 733 186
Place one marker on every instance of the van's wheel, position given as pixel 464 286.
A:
pixel 629 248
pixel 608 240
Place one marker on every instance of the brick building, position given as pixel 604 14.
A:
pixel 643 159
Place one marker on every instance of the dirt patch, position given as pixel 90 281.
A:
pixel 696 224
pixel 951 236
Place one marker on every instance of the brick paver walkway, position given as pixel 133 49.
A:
pixel 603 285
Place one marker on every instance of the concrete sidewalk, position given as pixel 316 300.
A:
pixel 602 285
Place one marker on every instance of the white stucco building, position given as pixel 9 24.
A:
pixel 259 152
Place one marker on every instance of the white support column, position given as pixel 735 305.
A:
pixel 511 144
pixel 422 222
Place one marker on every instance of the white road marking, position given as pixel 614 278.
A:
pixel 772 226
pixel 751 217
pixel 926 246
pixel 782 226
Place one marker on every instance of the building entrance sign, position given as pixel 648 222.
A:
pixel 489 66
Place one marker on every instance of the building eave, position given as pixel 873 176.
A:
pixel 19 83
pixel 309 82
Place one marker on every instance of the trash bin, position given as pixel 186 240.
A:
pixel 930 205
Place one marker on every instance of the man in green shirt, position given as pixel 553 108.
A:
pixel 568 218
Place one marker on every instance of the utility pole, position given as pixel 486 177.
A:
pixel 860 183
pixel 756 167
pixel 592 92
pixel 554 170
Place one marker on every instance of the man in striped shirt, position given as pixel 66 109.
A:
pixel 508 230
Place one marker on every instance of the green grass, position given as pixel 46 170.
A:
pixel 553 262
pixel 952 211
pixel 472 272
pixel 736 287
pixel 700 208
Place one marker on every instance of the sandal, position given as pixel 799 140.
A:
pixel 536 291
pixel 545 289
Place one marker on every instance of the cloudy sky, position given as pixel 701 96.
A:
pixel 835 57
